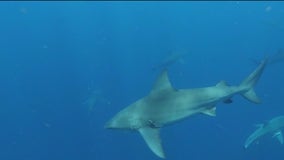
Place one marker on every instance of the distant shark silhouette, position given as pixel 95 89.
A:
pixel 95 98
pixel 273 127
pixel 165 105
pixel 169 60
pixel 275 58
pixel 278 57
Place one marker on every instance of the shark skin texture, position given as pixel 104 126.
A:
pixel 165 105
pixel 272 127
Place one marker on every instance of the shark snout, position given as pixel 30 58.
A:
pixel 120 121
pixel 112 124
pixel 108 125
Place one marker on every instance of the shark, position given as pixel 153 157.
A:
pixel 278 57
pixel 272 126
pixel 93 100
pixel 165 105
pixel 96 98
pixel 274 59
pixel 170 60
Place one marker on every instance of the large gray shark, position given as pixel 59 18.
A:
pixel 165 105
pixel 273 127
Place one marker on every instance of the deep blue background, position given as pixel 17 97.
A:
pixel 53 55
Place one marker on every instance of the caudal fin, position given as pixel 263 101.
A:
pixel 249 83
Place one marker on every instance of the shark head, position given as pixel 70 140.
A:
pixel 132 118
pixel 145 116
pixel 118 122
pixel 125 119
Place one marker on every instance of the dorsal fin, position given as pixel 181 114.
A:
pixel 222 84
pixel 162 83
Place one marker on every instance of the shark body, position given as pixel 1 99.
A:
pixel 273 127
pixel 165 105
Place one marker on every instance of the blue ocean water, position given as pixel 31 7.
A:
pixel 68 67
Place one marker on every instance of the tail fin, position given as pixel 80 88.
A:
pixel 249 83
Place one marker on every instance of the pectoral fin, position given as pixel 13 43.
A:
pixel 279 136
pixel 210 112
pixel 152 138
